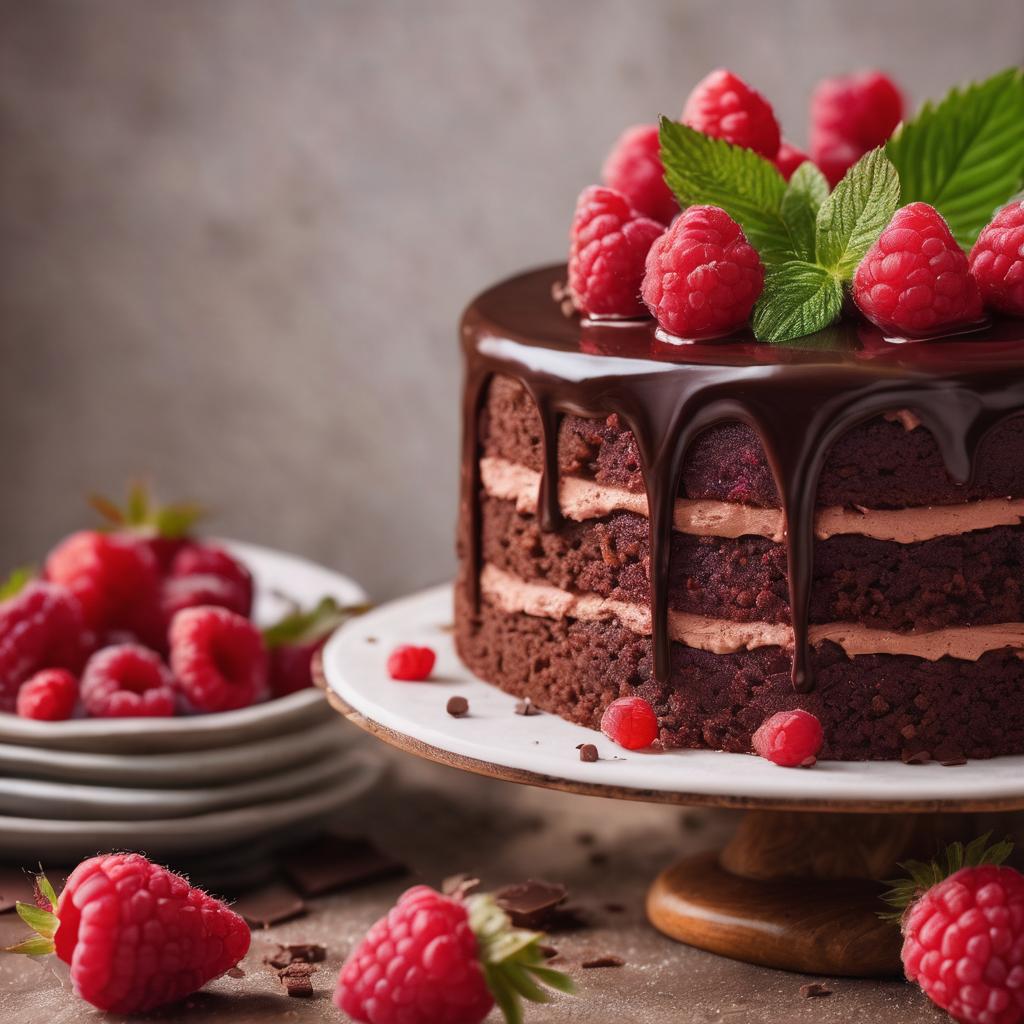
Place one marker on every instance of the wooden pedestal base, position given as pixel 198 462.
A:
pixel 800 891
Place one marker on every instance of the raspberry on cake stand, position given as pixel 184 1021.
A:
pixel 797 887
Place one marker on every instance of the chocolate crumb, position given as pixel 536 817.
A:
pixel 548 952
pixel 615 908
pixel 457 707
pixel 598 858
pixel 953 762
pixel 460 885
pixel 530 904
pixel 296 979
pixel 586 838
pixel 607 960
pixel 448 627
pixel 272 904
pixel 336 862
pixel 296 952
pixel 526 707
pixel 588 752
pixel 371 639
pixel 815 990
pixel 917 757
pixel 236 972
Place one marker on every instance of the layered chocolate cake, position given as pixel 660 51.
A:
pixel 730 528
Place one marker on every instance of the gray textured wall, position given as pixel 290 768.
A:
pixel 235 235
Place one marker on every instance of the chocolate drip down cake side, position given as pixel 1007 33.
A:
pixel 729 525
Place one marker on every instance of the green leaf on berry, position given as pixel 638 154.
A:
pixel 45 890
pixel 806 191
pixel 304 627
pixel 702 170
pixel 143 513
pixel 965 154
pixel 922 875
pixel 44 922
pixel 854 215
pixel 16 582
pixel 799 298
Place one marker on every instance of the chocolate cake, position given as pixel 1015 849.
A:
pixel 730 528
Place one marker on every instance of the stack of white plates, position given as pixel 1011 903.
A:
pixel 182 786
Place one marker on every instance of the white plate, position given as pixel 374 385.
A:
pixel 275 574
pixel 543 747
pixel 283 821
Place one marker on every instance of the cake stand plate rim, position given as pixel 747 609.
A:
pixel 540 750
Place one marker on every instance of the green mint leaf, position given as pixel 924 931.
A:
pixel 965 154
pixel 806 191
pixel 307 626
pixel 16 581
pixel 701 170
pixel 799 298
pixel 853 216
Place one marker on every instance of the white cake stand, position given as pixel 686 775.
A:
pixel 794 889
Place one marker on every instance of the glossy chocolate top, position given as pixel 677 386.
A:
pixel 799 397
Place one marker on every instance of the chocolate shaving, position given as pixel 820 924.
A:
pixel 526 707
pixel 607 960
pixel 457 707
pixel 918 757
pixel 337 862
pixel 530 904
pixel 460 885
pixel 296 979
pixel 270 905
pixel 236 972
pixel 815 990
pixel 296 953
pixel 588 752
pixel 953 762
pixel 546 951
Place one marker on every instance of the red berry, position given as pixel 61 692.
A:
pixel 703 276
pixel 609 242
pixel 39 628
pixel 963 943
pixel 789 738
pixel 138 936
pixel 997 260
pixel 849 116
pixel 411 664
pixel 219 659
pixel 291 667
pixel 48 696
pixel 789 158
pixel 127 681
pixel 417 965
pixel 209 560
pixel 630 722
pixel 633 167
pixel 915 280
pixel 180 592
pixel 114 576
pixel 723 105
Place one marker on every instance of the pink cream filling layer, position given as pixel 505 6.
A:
pixel 723 636
pixel 581 500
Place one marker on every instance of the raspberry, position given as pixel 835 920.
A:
pixel 291 667
pixel 138 936
pixel 411 664
pixel 180 592
pixel 723 105
pixel 630 722
pixel 609 242
pixel 789 158
pixel 963 943
pixel 209 560
pixel 915 280
pixel 114 576
pixel 127 681
pixel 219 659
pixel 703 276
pixel 997 260
pixel 48 696
pixel 39 628
pixel 789 738
pixel 849 116
pixel 633 167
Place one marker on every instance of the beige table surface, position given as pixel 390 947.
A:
pixel 440 821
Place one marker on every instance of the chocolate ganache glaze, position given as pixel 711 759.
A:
pixel 799 397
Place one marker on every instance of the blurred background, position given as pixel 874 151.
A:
pixel 236 235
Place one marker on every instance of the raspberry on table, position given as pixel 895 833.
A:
pixel 633 167
pixel 609 243
pixel 48 696
pixel 851 115
pixel 127 681
pixel 997 260
pixel 41 627
pixel 630 722
pixel 789 738
pixel 218 658
pixel 915 279
pixel 411 664
pixel 703 276
pixel 789 158
pixel 201 559
pixel 180 592
pixel 724 106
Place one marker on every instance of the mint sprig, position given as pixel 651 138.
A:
pixel 799 298
pixel 806 191
pixel 965 154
